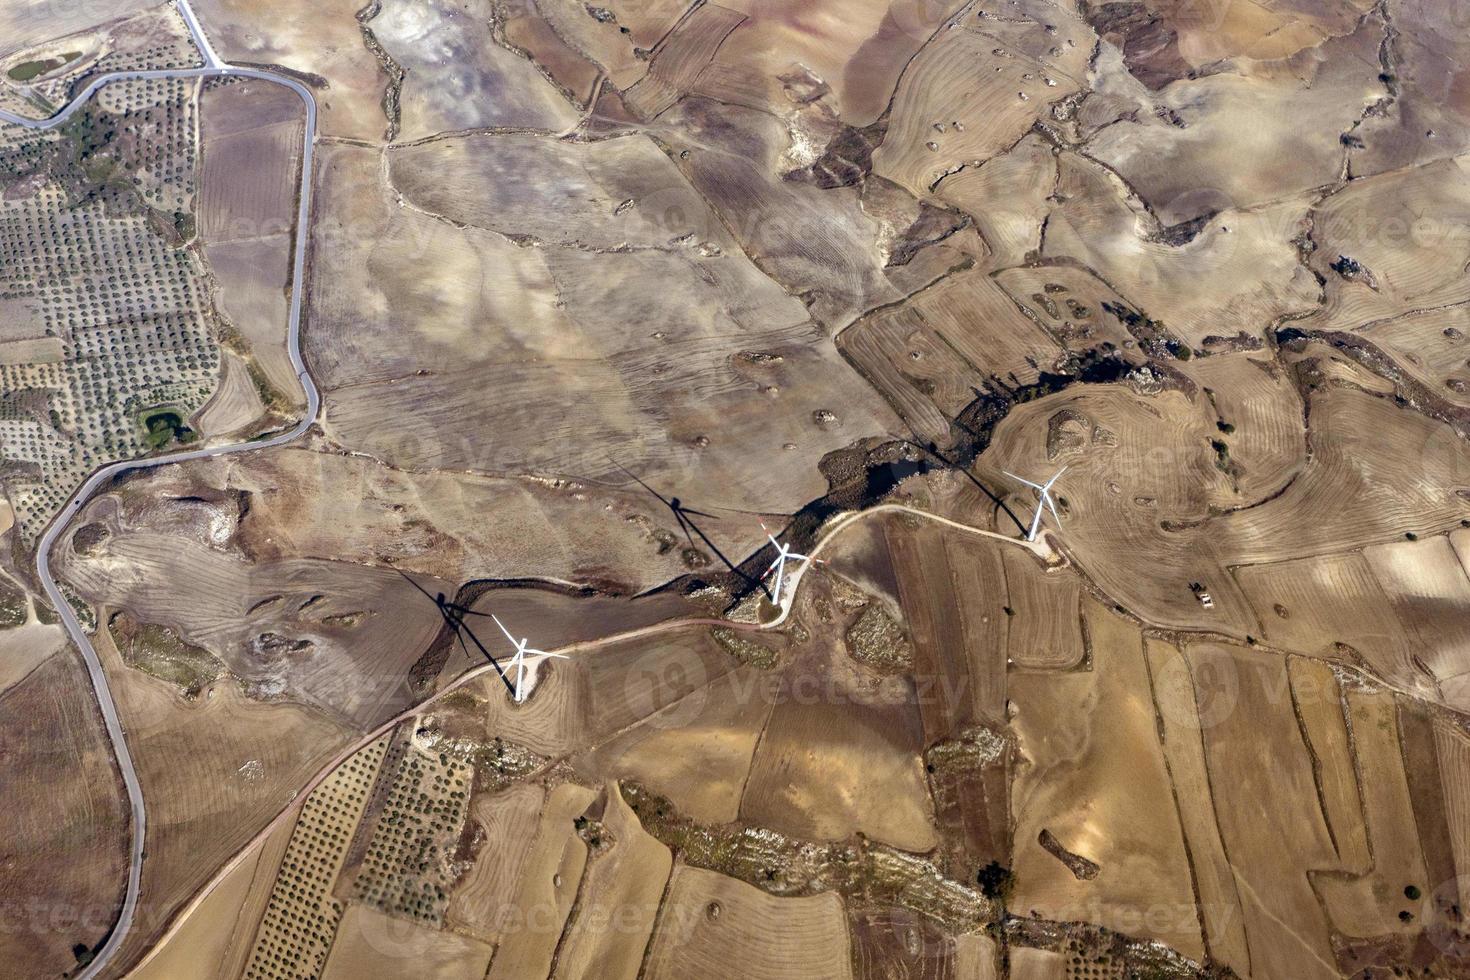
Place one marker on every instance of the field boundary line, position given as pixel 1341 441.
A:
pixel 1038 548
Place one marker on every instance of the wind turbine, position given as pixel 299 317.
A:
pixel 518 660
pixel 1044 503
pixel 454 618
pixel 783 555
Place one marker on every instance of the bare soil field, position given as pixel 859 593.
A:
pixel 215 771
pixel 595 290
pixel 31 22
pixel 618 904
pixel 250 139
pixel 236 403
pixel 77 843
pixel 1125 852
pixel 326 48
pixel 220 929
pixel 668 367
pixel 283 629
pixel 840 754
pixel 459 76
pixel 712 924
pixel 1273 850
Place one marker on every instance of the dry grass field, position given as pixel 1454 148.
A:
pixel 595 289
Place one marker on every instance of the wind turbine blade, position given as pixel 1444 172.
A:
pixel 1022 479
pixel 772 566
pixel 505 631
pixel 1053 508
pixel 797 556
pixel 780 572
pixel 1055 477
pixel 545 655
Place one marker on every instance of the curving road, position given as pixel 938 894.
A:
pixel 214 67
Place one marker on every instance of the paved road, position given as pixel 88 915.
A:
pixel 213 68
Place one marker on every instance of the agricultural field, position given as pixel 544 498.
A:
pixel 603 306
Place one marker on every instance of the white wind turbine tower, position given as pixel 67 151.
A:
pixel 518 660
pixel 1044 503
pixel 783 555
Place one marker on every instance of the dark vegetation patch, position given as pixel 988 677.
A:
pixel 164 427
pixel 14 607
pixel 28 71
pixel 860 871
pixel 160 652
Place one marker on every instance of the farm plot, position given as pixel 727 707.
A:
pixel 1245 265
pixel 271 622
pixel 929 355
pixel 359 951
pixel 1423 125
pixel 1183 708
pixel 1135 465
pixel 250 138
pixel 1093 736
pixel 1370 905
pixel 680 57
pixel 695 750
pixel 1380 473
pixel 70 852
pixel 1267 809
pixel 90 233
pixel 220 929
pixel 841 752
pixel 302 917
pixel 714 925
pixel 548 888
pixel 946 115
pixel 1393 244
pixel 1006 195
pixel 807 213
pixel 1258 421
pixel 457 527
pixel 483 895
pixel 1282 116
pixel 407 868
pixel 31 22
pixel 525 29
pixel 858 50
pixel 1430 346
pixel 311 631
pixel 622 889
pixel 1083 313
